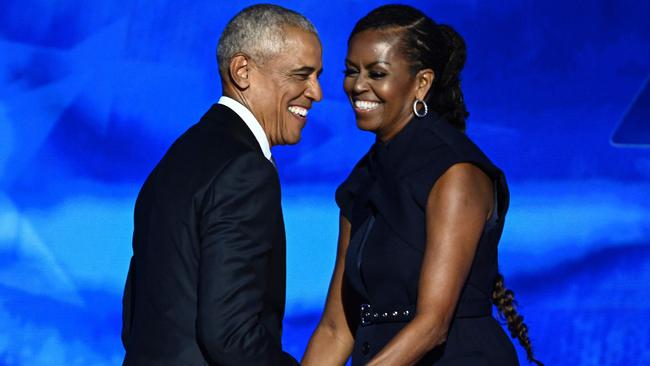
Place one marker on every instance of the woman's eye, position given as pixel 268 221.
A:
pixel 349 72
pixel 376 74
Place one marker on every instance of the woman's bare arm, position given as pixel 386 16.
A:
pixel 457 208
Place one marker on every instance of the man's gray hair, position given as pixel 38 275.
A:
pixel 258 31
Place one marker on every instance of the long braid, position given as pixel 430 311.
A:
pixel 504 299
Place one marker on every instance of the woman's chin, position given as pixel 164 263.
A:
pixel 366 125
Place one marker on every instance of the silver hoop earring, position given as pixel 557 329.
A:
pixel 415 108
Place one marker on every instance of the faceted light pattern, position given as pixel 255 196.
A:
pixel 93 92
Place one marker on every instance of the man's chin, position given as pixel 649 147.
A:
pixel 289 140
pixel 293 141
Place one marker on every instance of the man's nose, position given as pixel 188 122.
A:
pixel 314 91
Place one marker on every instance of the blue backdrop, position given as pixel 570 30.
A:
pixel 93 92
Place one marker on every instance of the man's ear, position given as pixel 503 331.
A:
pixel 424 79
pixel 239 71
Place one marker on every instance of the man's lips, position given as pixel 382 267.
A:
pixel 298 111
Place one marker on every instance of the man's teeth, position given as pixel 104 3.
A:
pixel 299 111
pixel 362 104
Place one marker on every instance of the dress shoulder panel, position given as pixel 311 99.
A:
pixel 438 148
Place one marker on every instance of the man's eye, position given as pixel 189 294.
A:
pixel 349 72
pixel 376 74
pixel 302 76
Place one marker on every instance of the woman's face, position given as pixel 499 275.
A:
pixel 379 83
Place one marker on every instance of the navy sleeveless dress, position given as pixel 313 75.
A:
pixel 384 198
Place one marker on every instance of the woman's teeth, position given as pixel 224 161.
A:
pixel 298 111
pixel 362 104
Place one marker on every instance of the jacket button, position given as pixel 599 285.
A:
pixel 365 348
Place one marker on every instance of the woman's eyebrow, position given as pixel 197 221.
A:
pixel 375 63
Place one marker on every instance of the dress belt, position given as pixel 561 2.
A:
pixel 405 313
pixel 399 314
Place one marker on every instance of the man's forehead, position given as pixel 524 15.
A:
pixel 293 35
pixel 302 51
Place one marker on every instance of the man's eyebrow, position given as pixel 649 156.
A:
pixel 306 70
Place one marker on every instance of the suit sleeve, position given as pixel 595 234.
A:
pixel 127 306
pixel 237 228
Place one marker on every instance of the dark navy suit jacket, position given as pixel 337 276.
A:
pixel 206 283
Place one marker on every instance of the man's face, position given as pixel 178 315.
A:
pixel 283 88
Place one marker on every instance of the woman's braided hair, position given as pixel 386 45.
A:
pixel 504 300
pixel 439 47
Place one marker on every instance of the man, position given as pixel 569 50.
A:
pixel 206 283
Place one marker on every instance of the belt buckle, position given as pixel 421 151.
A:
pixel 366 313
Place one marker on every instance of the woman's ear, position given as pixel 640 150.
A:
pixel 424 79
pixel 239 71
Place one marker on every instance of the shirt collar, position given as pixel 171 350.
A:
pixel 250 120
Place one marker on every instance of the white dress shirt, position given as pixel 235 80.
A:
pixel 251 122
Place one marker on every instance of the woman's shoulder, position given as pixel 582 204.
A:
pixel 439 147
pixel 348 189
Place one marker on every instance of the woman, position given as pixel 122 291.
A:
pixel 421 213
